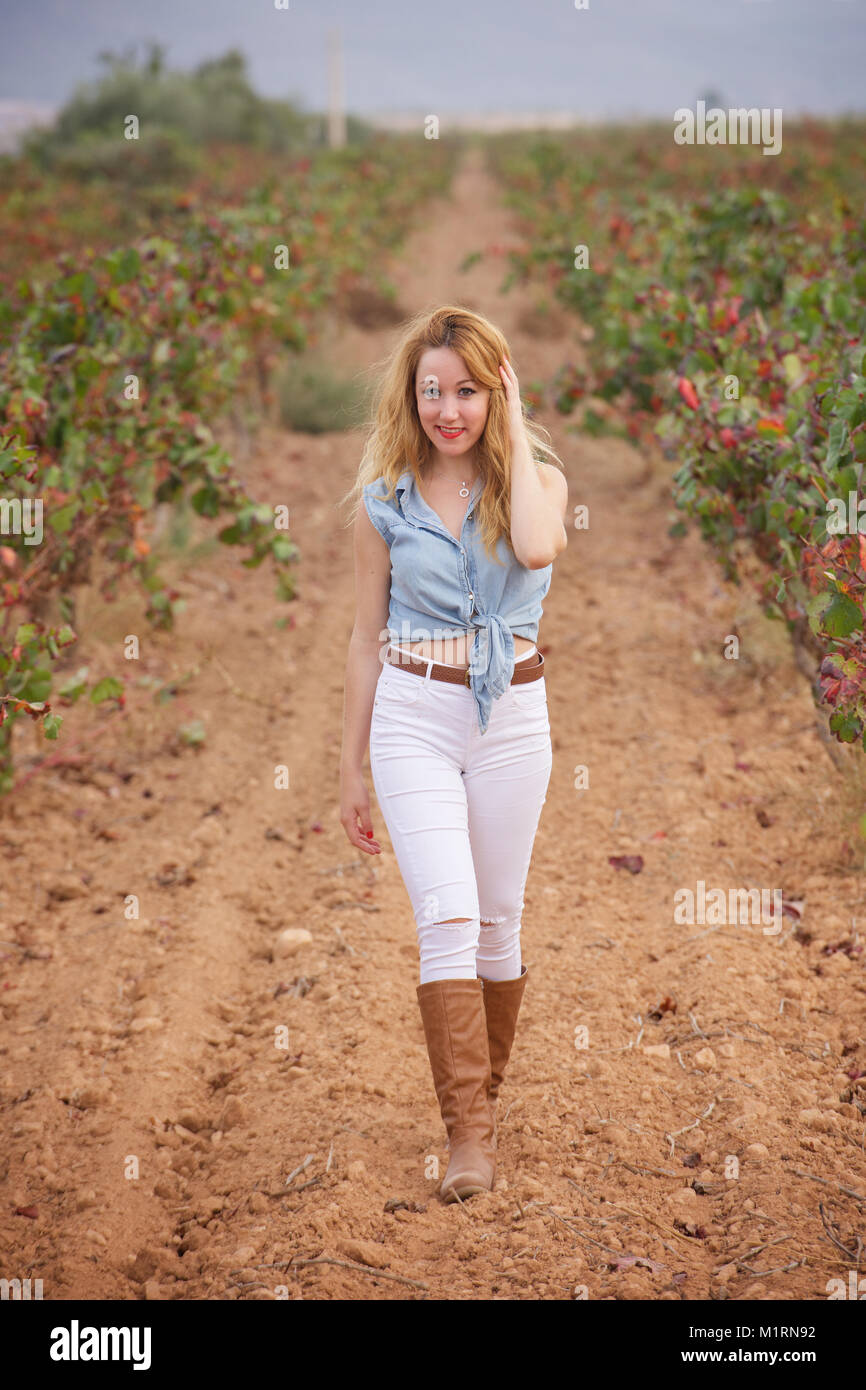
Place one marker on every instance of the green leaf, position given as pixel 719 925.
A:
pixel 74 688
pixel 37 686
pixel 106 689
pixel 837 442
pixel 841 616
pixel 61 520
pixel 847 727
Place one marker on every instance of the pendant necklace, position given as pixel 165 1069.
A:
pixel 463 490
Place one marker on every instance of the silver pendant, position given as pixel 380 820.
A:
pixel 464 491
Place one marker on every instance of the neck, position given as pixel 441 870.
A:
pixel 449 470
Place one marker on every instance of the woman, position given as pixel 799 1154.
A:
pixel 453 554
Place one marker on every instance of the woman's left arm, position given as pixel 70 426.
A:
pixel 539 496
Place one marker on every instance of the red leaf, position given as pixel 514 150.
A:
pixel 32 1212
pixel 688 392
pixel 632 862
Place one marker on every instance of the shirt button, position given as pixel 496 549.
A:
pixel 472 596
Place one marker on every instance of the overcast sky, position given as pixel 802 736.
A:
pixel 617 59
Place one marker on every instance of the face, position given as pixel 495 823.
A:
pixel 452 407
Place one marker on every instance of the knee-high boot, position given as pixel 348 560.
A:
pixel 452 1012
pixel 502 1000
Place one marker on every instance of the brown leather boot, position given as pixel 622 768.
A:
pixel 452 1012
pixel 502 1000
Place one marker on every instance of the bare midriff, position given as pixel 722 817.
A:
pixel 455 651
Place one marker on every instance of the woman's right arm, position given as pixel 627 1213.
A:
pixel 372 601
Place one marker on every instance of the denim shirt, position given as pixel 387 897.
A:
pixel 442 587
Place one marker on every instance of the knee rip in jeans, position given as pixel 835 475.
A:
pixel 493 921
pixel 453 922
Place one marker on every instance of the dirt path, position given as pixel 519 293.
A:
pixel 152 1116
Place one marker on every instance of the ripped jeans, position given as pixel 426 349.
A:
pixel 462 810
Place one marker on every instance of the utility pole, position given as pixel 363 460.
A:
pixel 336 105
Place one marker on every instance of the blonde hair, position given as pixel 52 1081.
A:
pixel 396 439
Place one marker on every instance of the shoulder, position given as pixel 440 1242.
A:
pixel 554 482
pixel 382 510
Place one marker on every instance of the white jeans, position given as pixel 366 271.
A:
pixel 462 810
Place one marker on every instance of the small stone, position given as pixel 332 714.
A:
pixel 152 1292
pixel 144 1266
pixel 355 1170
pixel 289 942
pixel 194 1120
pixel 90 1095
pixel 148 1024
pixel 65 887
pixel 659 1050
pixel 167 1140
pixel 705 1059
pixel 257 1203
pixel 232 1114
pixel 195 1239
pixel 86 1198
pixel 757 1152
pixel 726 1273
pixel 685 1196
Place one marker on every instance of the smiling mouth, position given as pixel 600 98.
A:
pixel 449 434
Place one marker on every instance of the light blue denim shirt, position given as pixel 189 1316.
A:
pixel 442 587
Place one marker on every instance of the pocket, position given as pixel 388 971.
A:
pixel 529 696
pixel 402 689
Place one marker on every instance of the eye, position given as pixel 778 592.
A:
pixel 469 389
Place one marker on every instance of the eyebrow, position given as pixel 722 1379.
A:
pixel 466 379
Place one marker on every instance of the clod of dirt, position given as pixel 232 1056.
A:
pixel 364 1252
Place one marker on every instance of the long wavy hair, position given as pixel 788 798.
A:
pixel 396 439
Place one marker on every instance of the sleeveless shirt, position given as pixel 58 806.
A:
pixel 443 587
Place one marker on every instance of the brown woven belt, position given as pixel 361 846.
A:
pixel 523 670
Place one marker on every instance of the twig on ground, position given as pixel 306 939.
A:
pixel 849 1191
pixel 827 1224
pixel 300 1168
pixel 694 1124
pixel 360 1269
